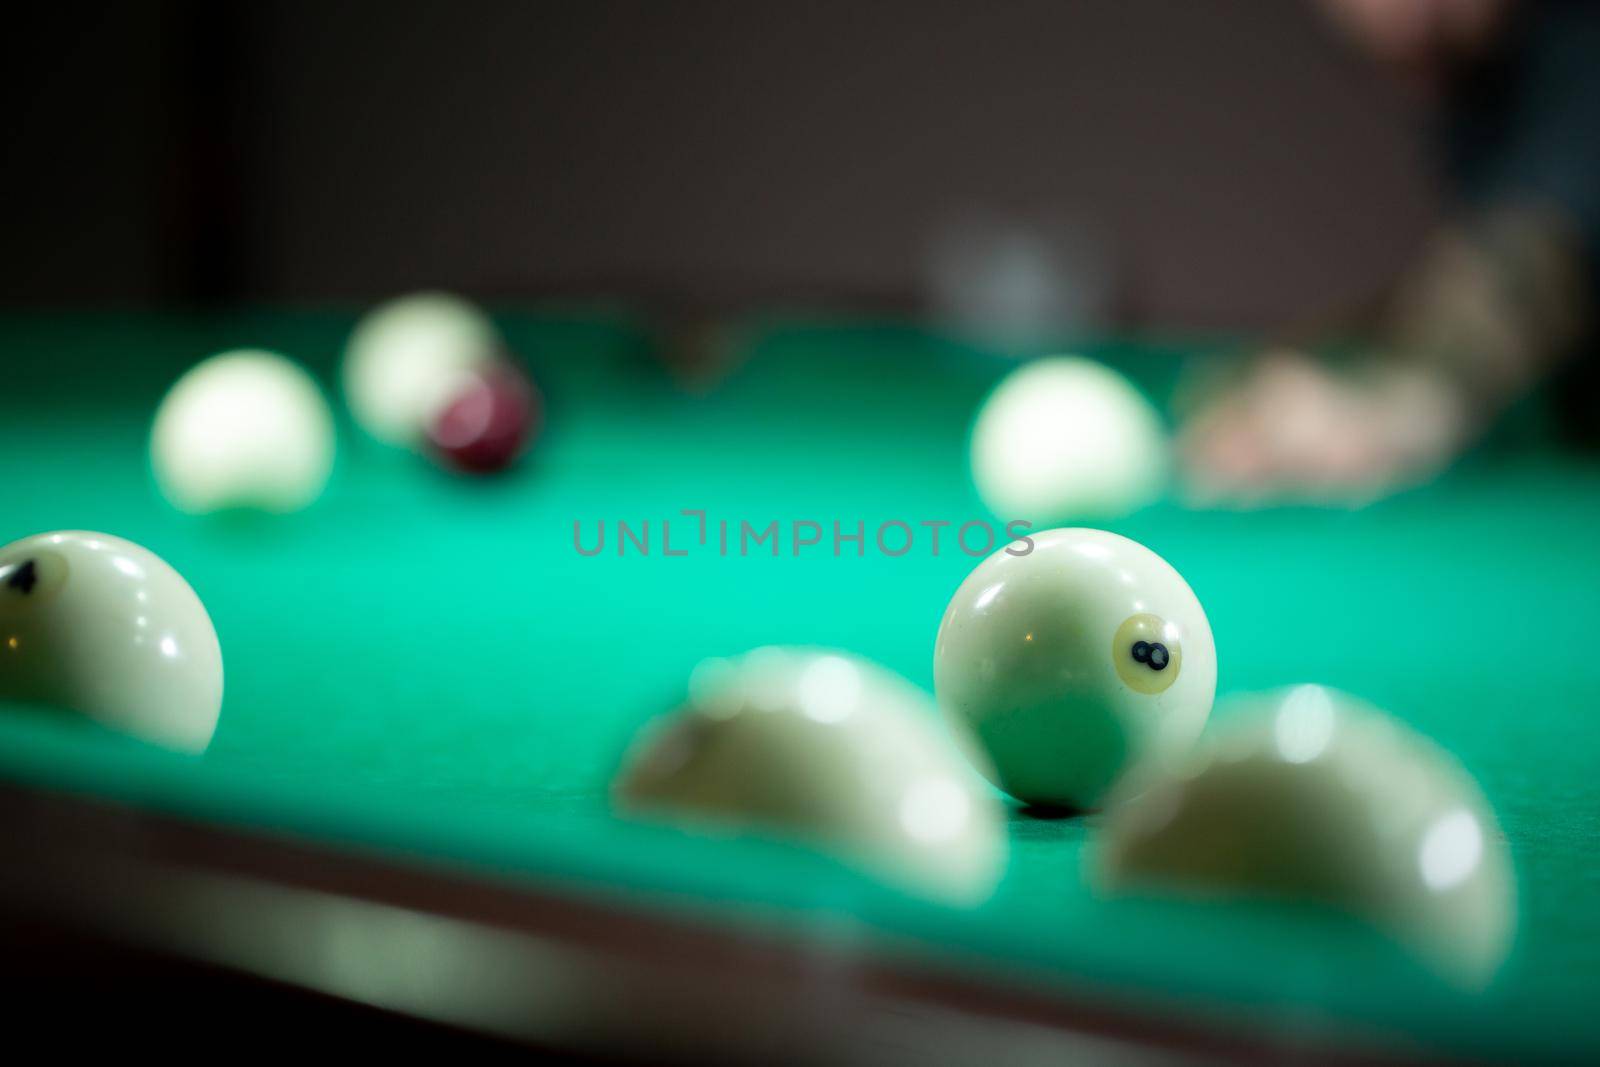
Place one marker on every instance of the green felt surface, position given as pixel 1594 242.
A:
pixel 426 665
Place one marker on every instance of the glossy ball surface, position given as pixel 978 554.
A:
pixel 1309 793
pixel 1068 439
pixel 828 749
pixel 244 429
pixel 408 358
pixel 1039 657
pixel 100 626
pixel 488 424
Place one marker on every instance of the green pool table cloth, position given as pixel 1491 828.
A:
pixel 423 665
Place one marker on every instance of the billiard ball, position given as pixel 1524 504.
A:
pixel 243 429
pixel 1078 661
pixel 407 359
pixel 97 625
pixel 828 749
pixel 1067 439
pixel 488 423
pixel 1310 794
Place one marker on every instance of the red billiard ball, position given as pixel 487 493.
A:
pixel 489 421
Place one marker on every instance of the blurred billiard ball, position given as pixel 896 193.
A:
pixel 1077 663
pixel 408 358
pixel 830 750
pixel 488 421
pixel 1066 439
pixel 243 429
pixel 100 626
pixel 1310 794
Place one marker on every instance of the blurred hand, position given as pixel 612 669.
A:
pixel 1293 430
pixel 1419 39
pixel 1493 303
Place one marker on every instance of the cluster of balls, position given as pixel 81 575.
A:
pixel 1080 675
pixel 251 428
pixel 98 625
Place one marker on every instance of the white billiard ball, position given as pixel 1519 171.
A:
pixel 1308 793
pixel 409 358
pixel 243 429
pixel 97 625
pixel 828 749
pixel 1077 663
pixel 1068 439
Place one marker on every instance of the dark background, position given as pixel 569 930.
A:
pixel 1243 166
